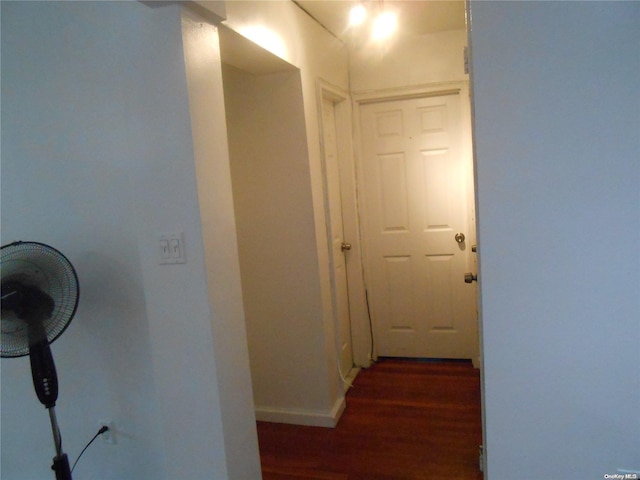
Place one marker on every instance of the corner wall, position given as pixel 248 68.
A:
pixel 272 196
pixel 212 170
pixel 284 30
pixel 98 161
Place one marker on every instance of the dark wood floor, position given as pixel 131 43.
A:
pixel 405 420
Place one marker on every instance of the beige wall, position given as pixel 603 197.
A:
pixel 272 196
pixel 295 364
pixel 409 60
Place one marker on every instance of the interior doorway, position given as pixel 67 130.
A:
pixel 341 211
pixel 419 303
pixel 340 103
pixel 417 209
pixel 275 228
pixel 330 100
pixel 339 246
pixel 336 109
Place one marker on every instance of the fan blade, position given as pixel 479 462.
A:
pixel 10 295
pixel 28 302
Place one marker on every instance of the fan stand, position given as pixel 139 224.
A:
pixel 45 382
pixel 40 295
pixel 61 461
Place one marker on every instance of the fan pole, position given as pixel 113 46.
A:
pixel 61 461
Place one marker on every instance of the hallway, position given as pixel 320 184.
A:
pixel 404 420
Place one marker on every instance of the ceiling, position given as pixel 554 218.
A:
pixel 415 17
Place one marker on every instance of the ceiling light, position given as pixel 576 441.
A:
pixel 384 25
pixel 357 15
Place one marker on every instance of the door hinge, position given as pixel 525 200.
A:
pixel 466 60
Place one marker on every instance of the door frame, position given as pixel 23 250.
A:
pixel 405 93
pixel 360 328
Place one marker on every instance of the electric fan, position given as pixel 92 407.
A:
pixel 39 298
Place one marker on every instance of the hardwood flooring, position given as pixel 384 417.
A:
pixel 404 420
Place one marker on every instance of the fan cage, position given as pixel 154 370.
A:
pixel 42 266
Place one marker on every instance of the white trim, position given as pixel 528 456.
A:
pixel 310 418
pixel 360 337
pixel 351 377
pixel 416 91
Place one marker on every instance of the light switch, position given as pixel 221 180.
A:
pixel 171 249
pixel 165 253
pixel 175 247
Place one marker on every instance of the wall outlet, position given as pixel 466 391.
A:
pixel 109 437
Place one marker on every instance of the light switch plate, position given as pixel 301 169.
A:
pixel 171 249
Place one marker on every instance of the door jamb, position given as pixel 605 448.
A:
pixel 360 336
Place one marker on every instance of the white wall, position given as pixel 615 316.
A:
pixel 98 161
pixel 557 144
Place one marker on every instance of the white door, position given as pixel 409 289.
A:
pixel 415 204
pixel 336 237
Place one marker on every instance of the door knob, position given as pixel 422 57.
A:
pixel 346 247
pixel 459 237
pixel 470 277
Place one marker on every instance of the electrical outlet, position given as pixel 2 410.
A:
pixel 109 437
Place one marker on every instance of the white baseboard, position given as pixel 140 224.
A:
pixel 477 362
pixel 302 417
